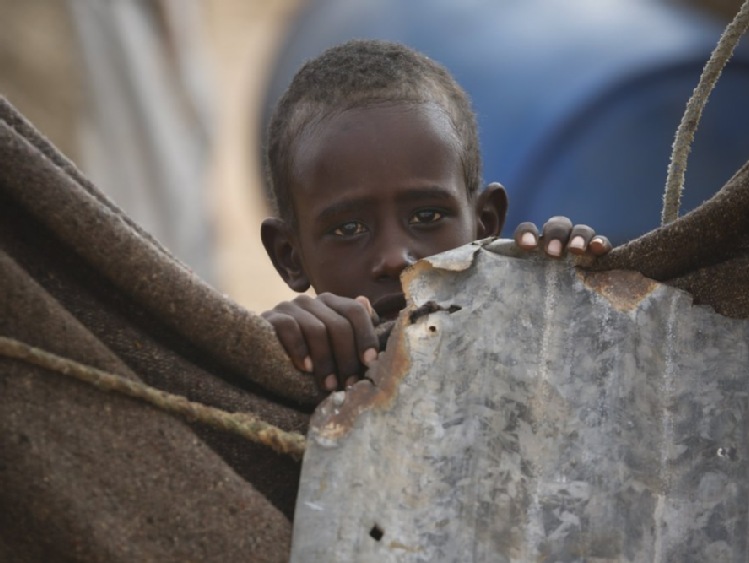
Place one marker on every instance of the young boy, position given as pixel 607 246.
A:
pixel 373 160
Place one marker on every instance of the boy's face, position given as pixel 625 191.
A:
pixel 374 190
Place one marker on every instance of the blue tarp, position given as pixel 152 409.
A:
pixel 578 100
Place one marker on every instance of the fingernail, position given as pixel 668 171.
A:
pixel 369 356
pixel 308 367
pixel 527 239
pixel 577 243
pixel 331 382
pixel 554 248
pixel 596 245
pixel 351 380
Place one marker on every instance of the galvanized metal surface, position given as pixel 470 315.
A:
pixel 532 412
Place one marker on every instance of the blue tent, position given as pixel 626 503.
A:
pixel 578 100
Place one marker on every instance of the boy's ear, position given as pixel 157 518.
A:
pixel 278 240
pixel 491 210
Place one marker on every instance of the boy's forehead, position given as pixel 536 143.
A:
pixel 403 152
pixel 336 134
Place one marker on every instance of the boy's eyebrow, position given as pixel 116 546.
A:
pixel 345 206
pixel 431 192
pixel 355 204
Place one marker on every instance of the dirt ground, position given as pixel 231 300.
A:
pixel 244 35
pixel 40 73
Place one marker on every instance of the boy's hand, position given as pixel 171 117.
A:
pixel 329 336
pixel 559 235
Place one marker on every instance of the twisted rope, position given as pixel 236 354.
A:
pixel 685 133
pixel 246 425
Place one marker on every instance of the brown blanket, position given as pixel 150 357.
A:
pixel 705 252
pixel 92 476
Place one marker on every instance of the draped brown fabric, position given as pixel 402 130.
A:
pixel 93 476
pixel 705 252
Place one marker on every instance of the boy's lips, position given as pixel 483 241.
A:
pixel 388 306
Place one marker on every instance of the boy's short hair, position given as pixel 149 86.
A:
pixel 356 74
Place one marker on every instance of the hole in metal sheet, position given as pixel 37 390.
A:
pixel 376 533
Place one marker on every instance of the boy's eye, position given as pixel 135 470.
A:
pixel 426 216
pixel 349 229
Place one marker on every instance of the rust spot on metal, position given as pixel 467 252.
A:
pixel 336 415
pixel 624 289
pixel 333 420
pixel 428 308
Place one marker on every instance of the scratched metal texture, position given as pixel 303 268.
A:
pixel 557 416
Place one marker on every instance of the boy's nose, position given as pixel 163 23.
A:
pixel 392 260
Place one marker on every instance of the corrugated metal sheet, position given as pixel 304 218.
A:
pixel 534 412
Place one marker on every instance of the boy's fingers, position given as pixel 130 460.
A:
pixel 599 245
pixel 580 238
pixel 361 316
pixel 330 336
pixel 313 333
pixel 373 316
pixel 556 233
pixel 365 303
pixel 335 343
pixel 526 236
pixel 559 235
pixel 290 335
